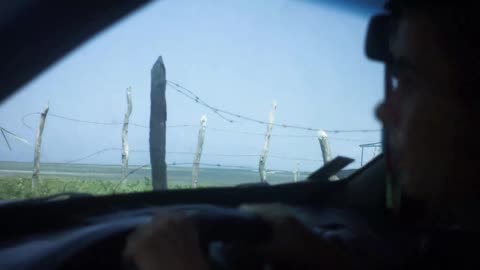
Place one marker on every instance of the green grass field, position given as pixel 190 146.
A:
pixel 15 179
pixel 21 187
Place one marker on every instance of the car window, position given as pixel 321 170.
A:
pixel 254 91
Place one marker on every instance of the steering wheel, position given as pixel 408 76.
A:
pixel 226 236
pixel 222 233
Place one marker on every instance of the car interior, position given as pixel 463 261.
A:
pixel 69 231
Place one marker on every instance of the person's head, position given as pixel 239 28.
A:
pixel 431 115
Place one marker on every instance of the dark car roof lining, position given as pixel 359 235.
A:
pixel 35 34
pixel 42 32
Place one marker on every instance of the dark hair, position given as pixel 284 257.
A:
pixel 457 23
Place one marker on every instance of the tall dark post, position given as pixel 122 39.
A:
pixel 158 118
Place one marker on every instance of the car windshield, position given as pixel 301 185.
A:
pixel 194 94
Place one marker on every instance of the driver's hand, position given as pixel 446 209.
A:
pixel 294 245
pixel 170 242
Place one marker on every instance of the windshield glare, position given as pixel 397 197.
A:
pixel 264 91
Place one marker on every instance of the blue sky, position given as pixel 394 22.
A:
pixel 236 55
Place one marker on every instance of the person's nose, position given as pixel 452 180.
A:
pixel 380 112
pixel 387 113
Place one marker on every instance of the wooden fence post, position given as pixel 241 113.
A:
pixel 361 159
pixel 325 147
pixel 296 172
pixel 126 121
pixel 38 147
pixel 198 153
pixel 158 118
pixel 263 156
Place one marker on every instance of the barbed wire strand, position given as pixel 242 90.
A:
pixel 194 125
pixel 96 122
pixel 198 100
pixel 284 135
pixel 173 164
pixel 220 112
pixel 127 175
pixel 25 116
pixel 91 155
pixel 191 95
pixel 188 153
pixel 6 139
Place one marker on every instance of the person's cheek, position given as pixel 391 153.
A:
pixel 423 153
pixel 425 123
pixel 391 114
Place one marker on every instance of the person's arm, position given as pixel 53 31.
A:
pixel 171 242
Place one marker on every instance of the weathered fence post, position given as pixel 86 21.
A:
pixel 38 148
pixel 263 156
pixel 296 172
pixel 361 159
pixel 126 121
pixel 158 118
pixel 325 147
pixel 198 153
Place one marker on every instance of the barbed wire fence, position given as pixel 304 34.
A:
pixel 224 114
pixel 229 117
